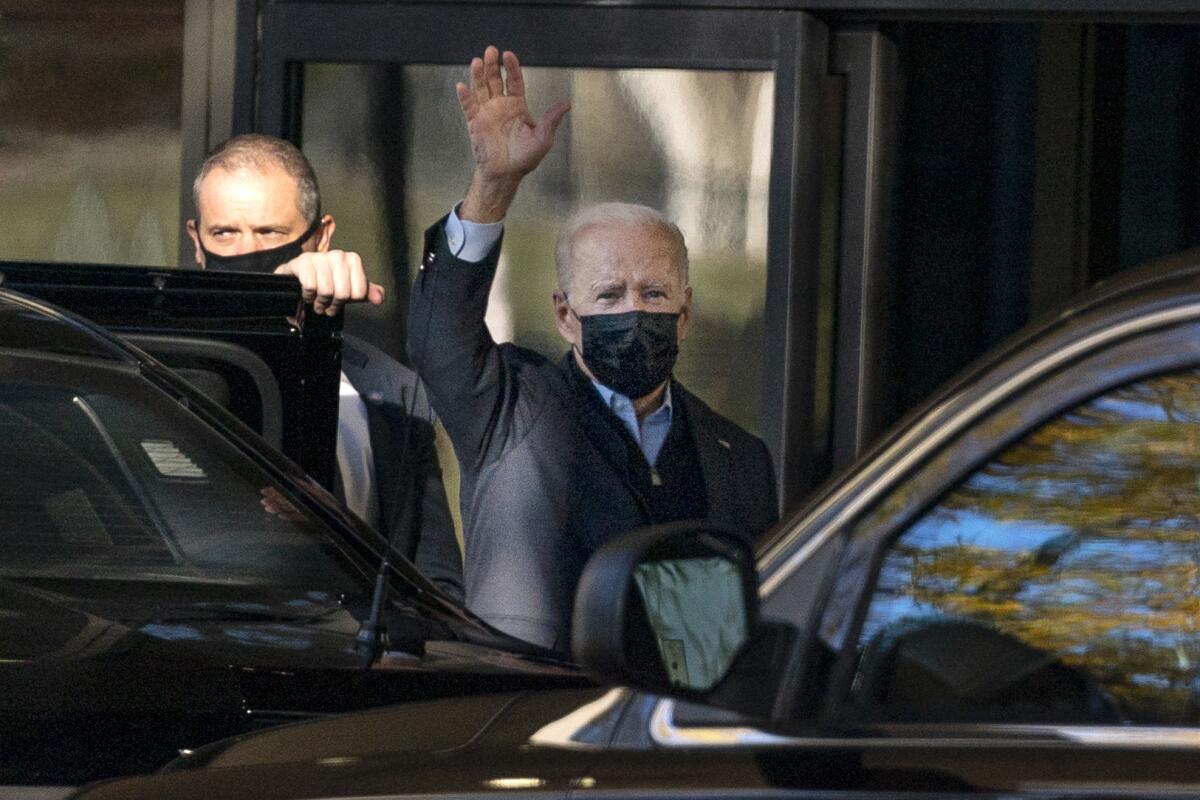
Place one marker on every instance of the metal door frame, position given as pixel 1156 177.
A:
pixel 792 44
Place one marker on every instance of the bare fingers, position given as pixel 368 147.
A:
pixel 479 88
pixel 491 71
pixel 467 100
pixel 331 279
pixel 548 124
pixel 516 80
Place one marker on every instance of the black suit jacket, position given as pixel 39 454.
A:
pixel 544 481
pixel 387 388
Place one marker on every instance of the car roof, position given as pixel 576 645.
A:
pixel 32 325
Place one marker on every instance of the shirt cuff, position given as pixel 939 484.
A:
pixel 471 241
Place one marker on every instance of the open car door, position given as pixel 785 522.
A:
pixel 247 341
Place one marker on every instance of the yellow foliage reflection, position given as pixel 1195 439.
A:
pixel 1083 541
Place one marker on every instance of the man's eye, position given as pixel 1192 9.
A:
pixel 656 294
pixel 607 296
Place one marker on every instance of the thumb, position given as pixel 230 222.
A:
pixel 548 124
pixel 376 294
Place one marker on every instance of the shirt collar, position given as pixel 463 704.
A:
pixel 610 399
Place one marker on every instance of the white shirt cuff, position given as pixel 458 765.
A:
pixel 471 241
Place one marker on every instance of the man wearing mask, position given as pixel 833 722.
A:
pixel 258 210
pixel 559 457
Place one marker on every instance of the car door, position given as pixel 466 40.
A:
pixel 243 340
pixel 1011 579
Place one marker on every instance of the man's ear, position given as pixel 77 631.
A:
pixel 685 316
pixel 195 234
pixel 564 320
pixel 325 233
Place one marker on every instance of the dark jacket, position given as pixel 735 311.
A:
pixel 387 388
pixel 542 484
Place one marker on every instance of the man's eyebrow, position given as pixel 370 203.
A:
pixel 606 283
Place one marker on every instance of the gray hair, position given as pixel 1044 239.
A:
pixel 629 214
pixel 259 153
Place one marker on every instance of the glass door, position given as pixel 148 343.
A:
pixel 726 119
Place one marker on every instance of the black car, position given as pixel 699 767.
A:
pixel 168 579
pixel 999 601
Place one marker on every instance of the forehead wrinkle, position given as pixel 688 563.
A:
pixel 610 256
pixel 606 282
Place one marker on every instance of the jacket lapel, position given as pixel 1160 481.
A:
pixel 716 458
pixel 593 419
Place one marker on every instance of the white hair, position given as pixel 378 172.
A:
pixel 630 214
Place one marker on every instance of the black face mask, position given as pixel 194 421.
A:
pixel 631 353
pixel 260 260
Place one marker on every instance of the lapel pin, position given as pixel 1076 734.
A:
pixel 724 444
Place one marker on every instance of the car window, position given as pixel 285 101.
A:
pixel 103 477
pixel 1060 582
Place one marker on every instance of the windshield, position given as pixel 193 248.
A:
pixel 102 476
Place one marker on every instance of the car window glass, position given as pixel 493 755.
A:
pixel 100 477
pixel 1057 583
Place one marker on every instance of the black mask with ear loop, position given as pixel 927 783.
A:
pixel 631 353
pixel 259 260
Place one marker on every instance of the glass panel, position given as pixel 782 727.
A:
pixel 390 150
pixel 90 131
pixel 1058 583
pixel 101 480
pixel 695 144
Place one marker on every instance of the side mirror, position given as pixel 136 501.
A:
pixel 668 609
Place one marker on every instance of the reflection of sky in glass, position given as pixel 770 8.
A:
pixel 1082 541
pixel 979 530
pixel 1129 409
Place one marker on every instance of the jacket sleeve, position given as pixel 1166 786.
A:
pixel 449 345
pixel 437 554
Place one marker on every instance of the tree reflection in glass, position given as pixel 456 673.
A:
pixel 1083 541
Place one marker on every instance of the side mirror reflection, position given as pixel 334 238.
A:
pixel 667 609
pixel 696 610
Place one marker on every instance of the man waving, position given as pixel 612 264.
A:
pixel 559 457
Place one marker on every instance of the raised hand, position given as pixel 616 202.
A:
pixel 506 142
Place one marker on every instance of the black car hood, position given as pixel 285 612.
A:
pixel 460 745
pixel 100 692
pixel 539 744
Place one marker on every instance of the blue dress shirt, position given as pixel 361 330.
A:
pixel 650 433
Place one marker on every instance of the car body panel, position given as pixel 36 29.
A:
pixel 380 754
pixel 162 309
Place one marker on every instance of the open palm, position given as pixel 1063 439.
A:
pixel 505 140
